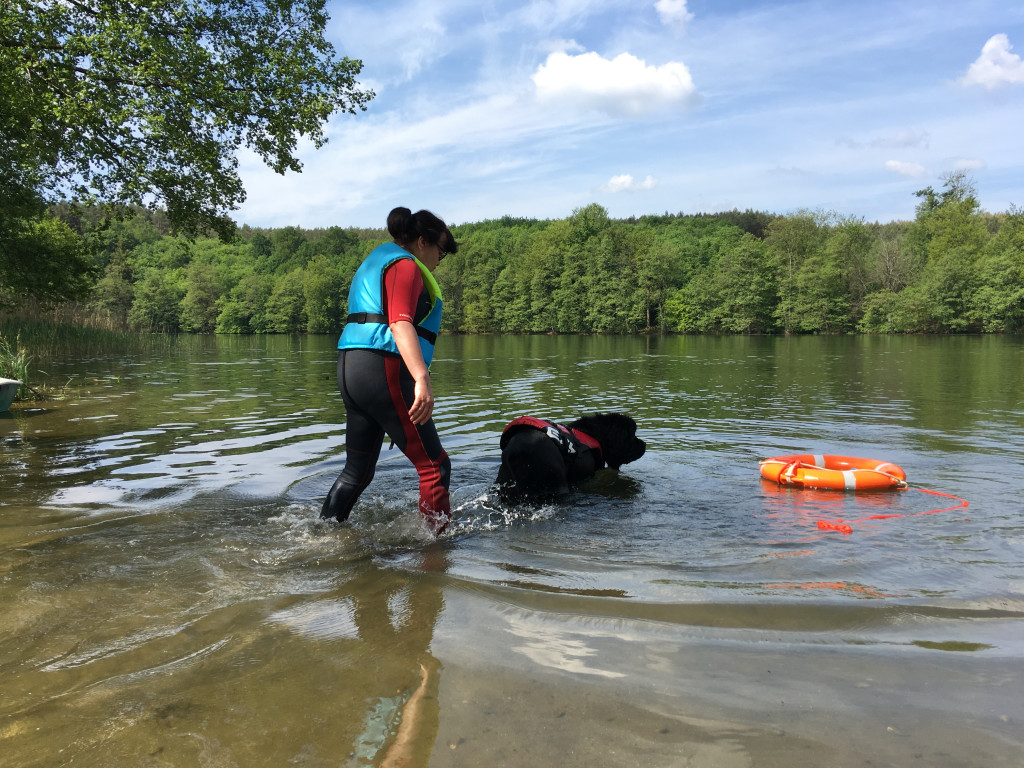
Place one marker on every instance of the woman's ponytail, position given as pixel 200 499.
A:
pixel 406 227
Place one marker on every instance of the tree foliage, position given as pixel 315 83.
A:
pixel 41 258
pixel 148 102
pixel 953 269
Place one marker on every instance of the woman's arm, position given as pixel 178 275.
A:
pixel 408 344
pixel 402 286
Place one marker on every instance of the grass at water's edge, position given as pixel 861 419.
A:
pixel 27 345
pixel 14 360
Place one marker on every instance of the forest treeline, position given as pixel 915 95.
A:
pixel 953 269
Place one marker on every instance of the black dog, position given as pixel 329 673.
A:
pixel 543 460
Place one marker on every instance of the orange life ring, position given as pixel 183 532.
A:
pixel 837 472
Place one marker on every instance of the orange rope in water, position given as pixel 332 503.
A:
pixel 843 526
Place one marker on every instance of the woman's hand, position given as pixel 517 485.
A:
pixel 423 401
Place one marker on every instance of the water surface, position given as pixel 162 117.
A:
pixel 171 599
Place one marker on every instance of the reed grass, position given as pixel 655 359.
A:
pixel 30 339
pixel 74 328
pixel 14 361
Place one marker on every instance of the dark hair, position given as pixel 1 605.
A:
pixel 407 227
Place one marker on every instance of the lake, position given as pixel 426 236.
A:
pixel 170 597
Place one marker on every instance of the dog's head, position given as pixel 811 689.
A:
pixel 616 433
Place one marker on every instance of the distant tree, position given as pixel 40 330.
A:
pixel 114 291
pixel 849 243
pixel 157 304
pixel 467 279
pixel 286 305
pixel 166 253
pixel 232 316
pixel 199 304
pixel 734 294
pixel 283 257
pixel 509 301
pixel 41 258
pixel 792 240
pixel 999 299
pixel 585 223
pixel 891 259
pixel 570 294
pixel 953 269
pixel 322 289
pixel 260 246
pixel 886 311
pixel 952 233
pixel 605 299
pixel 337 241
pixel 541 271
pixel 820 302
pixel 754 222
pixel 656 276
pixel 244 308
pixel 831 277
pixel 746 288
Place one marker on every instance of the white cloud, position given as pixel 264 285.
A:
pixel 968 164
pixel 397 41
pixel 561 46
pixel 673 12
pixel 623 85
pixel 472 136
pixel 907 139
pixel 996 65
pixel 372 159
pixel 904 168
pixel 626 183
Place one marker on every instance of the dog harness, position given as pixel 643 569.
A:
pixel 571 442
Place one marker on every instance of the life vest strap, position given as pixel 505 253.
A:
pixel 367 317
pixel 374 317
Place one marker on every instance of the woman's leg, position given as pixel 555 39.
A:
pixel 422 445
pixel 378 390
pixel 363 435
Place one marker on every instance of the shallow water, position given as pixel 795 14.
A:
pixel 171 599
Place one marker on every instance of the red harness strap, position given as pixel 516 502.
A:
pixel 532 421
pixel 587 440
pixel 544 425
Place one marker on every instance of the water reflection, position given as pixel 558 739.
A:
pixel 171 599
pixel 385 620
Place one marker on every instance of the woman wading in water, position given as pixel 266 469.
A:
pixel 384 358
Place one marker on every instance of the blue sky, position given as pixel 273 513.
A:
pixel 485 109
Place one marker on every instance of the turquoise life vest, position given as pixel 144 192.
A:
pixel 367 326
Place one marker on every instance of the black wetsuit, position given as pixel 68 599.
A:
pixel 378 391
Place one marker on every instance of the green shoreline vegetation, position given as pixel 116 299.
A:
pixel 953 269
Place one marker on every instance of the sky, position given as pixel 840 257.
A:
pixel 534 109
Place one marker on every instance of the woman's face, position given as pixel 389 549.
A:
pixel 428 253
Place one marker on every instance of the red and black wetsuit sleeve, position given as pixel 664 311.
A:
pixel 403 289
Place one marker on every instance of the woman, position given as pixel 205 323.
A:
pixel 384 357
